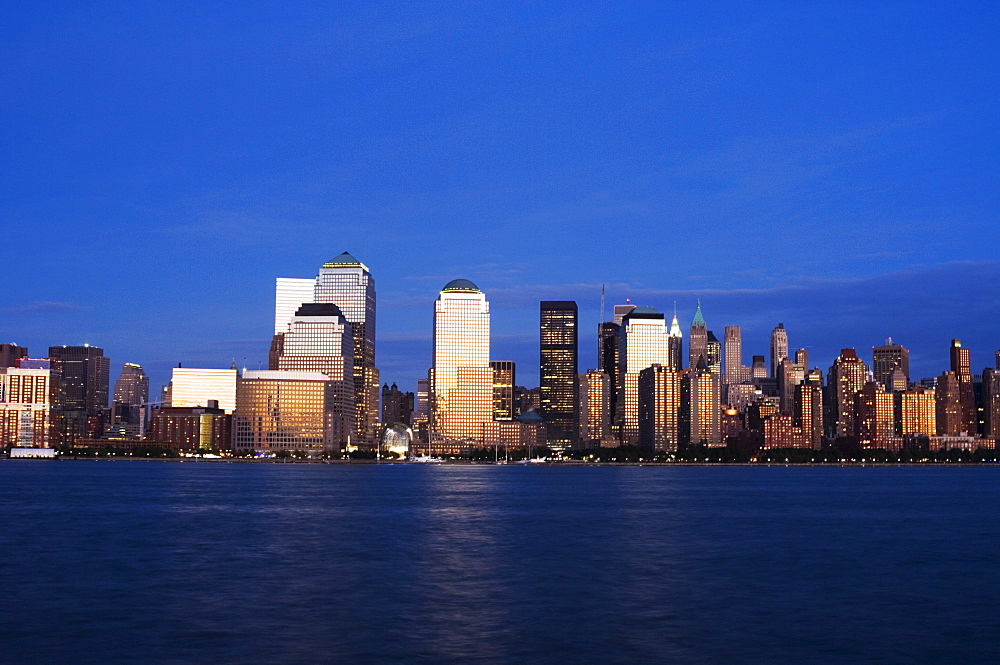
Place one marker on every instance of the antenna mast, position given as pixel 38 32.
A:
pixel 602 304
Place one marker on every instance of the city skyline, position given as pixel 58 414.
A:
pixel 819 166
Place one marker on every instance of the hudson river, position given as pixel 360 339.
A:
pixel 146 562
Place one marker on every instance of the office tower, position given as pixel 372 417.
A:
pixel 558 366
pixel 961 367
pixel 758 369
pixel 504 380
pixel 461 377
pixel 802 358
pixel 11 353
pixel 289 410
pixel 808 411
pixel 919 411
pixel 704 405
pixel 991 403
pixel 195 386
pixel 130 397
pixel 28 407
pixel 779 347
pixel 789 376
pixel 290 293
pixel 347 283
pixel 608 342
pixel 595 409
pixel 644 343
pixel 697 339
pixel 887 358
pixel 675 345
pixel 735 370
pixel 397 406
pixel 875 415
pixel 83 389
pixel 846 377
pixel 622 310
pixel 713 353
pixel 192 428
pixel 659 408
pixel 951 414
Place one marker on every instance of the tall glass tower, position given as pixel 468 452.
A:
pixel 461 381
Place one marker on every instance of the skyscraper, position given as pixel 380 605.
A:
pixel 10 353
pixel 461 376
pixel 961 366
pixel 644 342
pixel 704 407
pixel 347 283
pixel 887 358
pixel 733 353
pixel 558 366
pixel 697 339
pixel 595 409
pixel 846 378
pixel 504 380
pixel 659 408
pixel 779 348
pixel 608 342
pixel 675 345
pixel 83 389
pixel 130 396
pixel 713 353
pixel 196 386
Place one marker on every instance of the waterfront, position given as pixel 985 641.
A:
pixel 233 563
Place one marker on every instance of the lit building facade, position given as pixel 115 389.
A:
pixel 876 416
pixel 961 368
pixel 131 394
pixel 644 343
pixel 461 377
pixel 595 409
pixel 558 368
pixel 28 407
pixel 84 377
pixel 847 376
pixel 918 412
pixel 289 410
pixel 504 380
pixel 675 345
pixel 196 386
pixel 192 428
pixel 697 338
pixel 659 408
pixel 704 406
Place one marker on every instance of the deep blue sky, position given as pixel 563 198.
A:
pixel 833 166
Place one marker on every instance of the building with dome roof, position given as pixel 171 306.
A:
pixel 461 378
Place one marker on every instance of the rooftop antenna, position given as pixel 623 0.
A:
pixel 602 303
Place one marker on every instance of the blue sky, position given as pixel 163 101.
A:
pixel 832 166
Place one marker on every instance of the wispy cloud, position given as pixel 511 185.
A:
pixel 45 307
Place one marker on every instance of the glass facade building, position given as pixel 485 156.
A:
pixel 644 342
pixel 558 363
pixel 195 386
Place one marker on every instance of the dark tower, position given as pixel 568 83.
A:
pixel 557 371
pixel 83 389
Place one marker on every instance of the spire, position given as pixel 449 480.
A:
pixel 675 327
pixel 699 320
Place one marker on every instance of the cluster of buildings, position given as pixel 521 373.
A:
pixel 654 387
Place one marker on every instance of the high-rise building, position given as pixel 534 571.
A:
pixel 802 358
pixel 461 377
pixel 758 369
pixel 83 389
pixel 919 413
pixel 130 397
pixel 397 406
pixel 558 367
pixel 347 283
pixel 504 380
pixel 289 410
pixel 675 345
pixel 951 414
pixel 621 311
pixel 733 354
pixel 808 411
pixel 779 347
pixel 875 415
pixel 28 407
pixel 697 339
pixel 705 408
pixel 11 353
pixel 887 358
pixel 644 342
pixel 847 376
pixel 961 367
pixel 608 342
pixel 196 386
pixel 192 428
pixel 595 409
pixel 713 353
pixel 991 403
pixel 659 408
pixel 789 375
